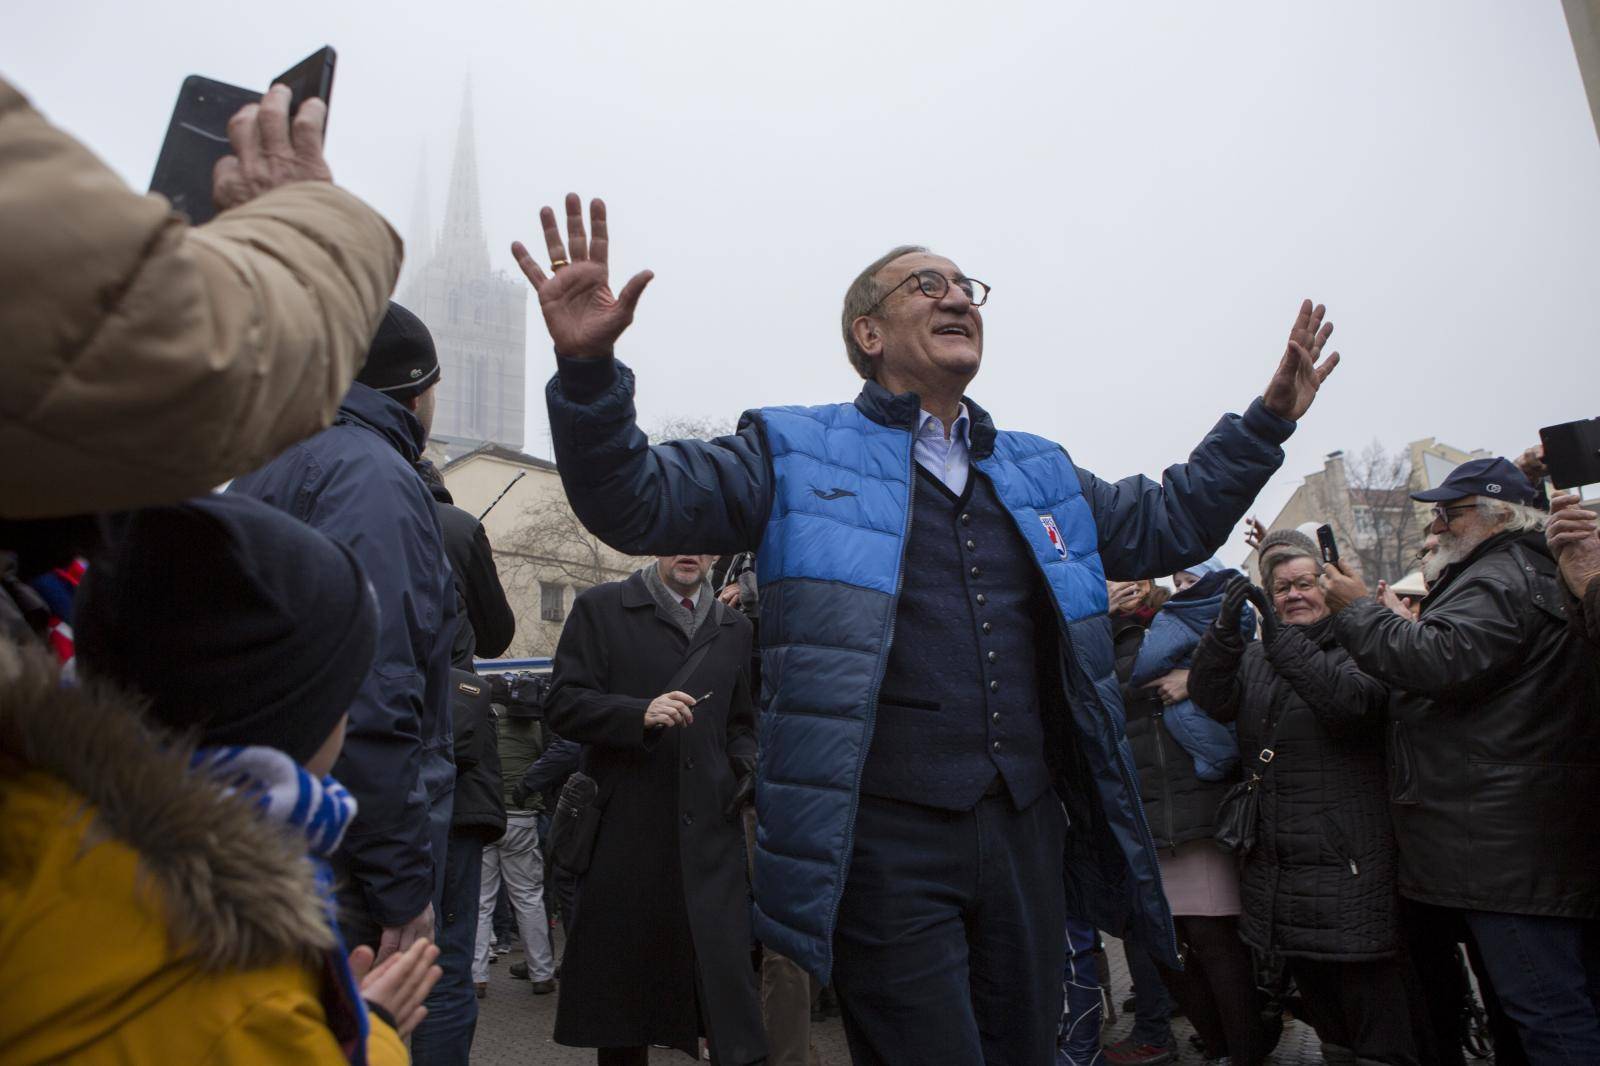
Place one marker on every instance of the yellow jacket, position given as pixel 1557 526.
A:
pixel 147 360
pixel 143 919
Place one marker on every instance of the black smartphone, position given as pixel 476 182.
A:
pixel 1572 452
pixel 197 134
pixel 1325 541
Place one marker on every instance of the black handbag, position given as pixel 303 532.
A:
pixel 1239 813
pixel 576 824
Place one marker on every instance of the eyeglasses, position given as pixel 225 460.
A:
pixel 934 285
pixel 1445 514
pixel 1299 584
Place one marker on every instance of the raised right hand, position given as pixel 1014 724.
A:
pixel 583 317
pixel 669 709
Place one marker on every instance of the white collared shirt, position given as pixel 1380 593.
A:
pixel 944 457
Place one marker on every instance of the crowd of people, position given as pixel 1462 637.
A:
pixel 929 745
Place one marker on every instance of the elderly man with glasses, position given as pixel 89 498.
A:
pixel 1494 751
pixel 941 736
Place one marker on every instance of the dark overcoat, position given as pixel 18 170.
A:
pixel 665 904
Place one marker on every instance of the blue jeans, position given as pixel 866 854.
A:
pixel 1079 1042
pixel 445 1036
pixel 1152 1003
pixel 1546 972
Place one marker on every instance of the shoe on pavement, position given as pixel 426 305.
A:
pixel 480 988
pixel 519 970
pixel 544 988
pixel 1127 1053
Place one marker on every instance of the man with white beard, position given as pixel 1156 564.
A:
pixel 1494 751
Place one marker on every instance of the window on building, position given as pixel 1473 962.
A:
pixel 552 602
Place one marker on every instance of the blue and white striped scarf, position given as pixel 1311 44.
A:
pixel 283 791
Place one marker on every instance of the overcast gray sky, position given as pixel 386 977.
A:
pixel 1150 188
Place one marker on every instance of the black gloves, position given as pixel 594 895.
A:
pixel 744 793
pixel 1225 630
pixel 1269 617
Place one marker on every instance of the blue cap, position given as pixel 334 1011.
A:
pixel 1496 479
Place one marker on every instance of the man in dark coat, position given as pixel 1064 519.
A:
pixel 355 482
pixel 651 676
pixel 943 776
pixel 1494 751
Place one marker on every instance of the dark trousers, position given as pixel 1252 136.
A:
pixel 1217 989
pixel 1374 1009
pixel 951 933
pixel 445 1036
pixel 1432 938
pixel 1546 972
pixel 1152 1003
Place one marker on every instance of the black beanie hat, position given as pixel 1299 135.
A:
pixel 402 361
pixel 236 621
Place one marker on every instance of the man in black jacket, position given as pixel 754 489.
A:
pixel 1494 751
pixel 355 483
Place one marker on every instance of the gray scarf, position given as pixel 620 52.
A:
pixel 671 603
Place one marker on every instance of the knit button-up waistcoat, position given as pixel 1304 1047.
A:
pixel 959 701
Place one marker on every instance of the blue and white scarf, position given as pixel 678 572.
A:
pixel 283 791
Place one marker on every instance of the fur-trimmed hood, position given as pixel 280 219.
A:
pixel 237 892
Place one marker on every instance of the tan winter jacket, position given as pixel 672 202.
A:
pixel 143 360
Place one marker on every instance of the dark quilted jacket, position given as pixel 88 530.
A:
pixel 1321 882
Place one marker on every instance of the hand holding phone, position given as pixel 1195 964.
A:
pixel 258 136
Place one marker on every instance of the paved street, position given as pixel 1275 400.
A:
pixel 514 1028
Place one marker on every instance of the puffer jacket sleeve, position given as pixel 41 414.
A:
pixel 711 497
pixel 1167 643
pixel 1214 684
pixel 1477 632
pixel 558 763
pixel 1151 530
pixel 289 1026
pixel 1344 699
pixel 148 360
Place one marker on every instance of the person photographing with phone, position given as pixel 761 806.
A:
pixel 651 675
pixel 1493 740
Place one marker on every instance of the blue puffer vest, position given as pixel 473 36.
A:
pixel 831 563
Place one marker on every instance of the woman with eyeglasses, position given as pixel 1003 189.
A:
pixel 1319 885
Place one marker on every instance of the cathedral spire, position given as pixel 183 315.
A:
pixel 462 244
pixel 419 235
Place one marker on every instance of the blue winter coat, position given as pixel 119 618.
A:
pixel 1169 644
pixel 830 578
pixel 355 481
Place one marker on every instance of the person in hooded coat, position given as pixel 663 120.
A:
pixel 660 942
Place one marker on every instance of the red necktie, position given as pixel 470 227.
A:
pixel 688 604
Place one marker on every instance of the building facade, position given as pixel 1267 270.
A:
pixel 477 315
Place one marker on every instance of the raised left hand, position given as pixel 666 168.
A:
pixel 1299 376
pixel 1340 588
pixel 1573 534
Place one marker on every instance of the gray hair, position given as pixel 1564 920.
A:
pixel 1284 553
pixel 860 297
pixel 1517 518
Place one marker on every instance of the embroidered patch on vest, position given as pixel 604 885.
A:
pixel 1054 534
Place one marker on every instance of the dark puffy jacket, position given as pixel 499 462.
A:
pixel 1178 805
pixel 1494 747
pixel 830 579
pixel 356 483
pixel 1320 882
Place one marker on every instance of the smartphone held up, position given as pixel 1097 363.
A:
pixel 197 134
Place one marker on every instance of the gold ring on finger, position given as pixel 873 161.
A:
pixel 557 264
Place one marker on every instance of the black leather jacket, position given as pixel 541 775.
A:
pixel 1494 743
